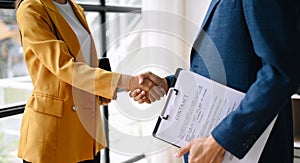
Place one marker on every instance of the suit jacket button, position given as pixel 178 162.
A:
pixel 74 108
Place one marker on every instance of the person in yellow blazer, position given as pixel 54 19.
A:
pixel 61 121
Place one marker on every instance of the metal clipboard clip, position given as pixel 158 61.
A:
pixel 170 100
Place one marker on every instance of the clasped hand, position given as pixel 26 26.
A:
pixel 151 88
pixel 147 87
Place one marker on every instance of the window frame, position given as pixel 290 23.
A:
pixel 101 8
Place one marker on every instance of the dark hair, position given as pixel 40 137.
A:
pixel 17 3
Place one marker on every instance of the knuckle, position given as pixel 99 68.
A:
pixel 140 96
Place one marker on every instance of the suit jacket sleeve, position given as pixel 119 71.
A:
pixel 275 38
pixel 39 39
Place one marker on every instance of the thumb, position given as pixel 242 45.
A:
pixel 146 75
pixel 183 150
pixel 141 78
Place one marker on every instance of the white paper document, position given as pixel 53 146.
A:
pixel 194 107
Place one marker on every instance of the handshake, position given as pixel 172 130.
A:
pixel 146 87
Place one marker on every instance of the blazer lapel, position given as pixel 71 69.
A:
pixel 63 29
pixel 211 7
pixel 80 15
pixel 66 32
pixel 94 57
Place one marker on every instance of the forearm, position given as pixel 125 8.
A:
pixel 264 100
pixel 124 82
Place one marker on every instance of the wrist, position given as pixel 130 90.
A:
pixel 217 146
pixel 124 82
pixel 165 85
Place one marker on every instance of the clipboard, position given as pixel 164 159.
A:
pixel 172 92
pixel 192 102
pixel 194 106
pixel 164 116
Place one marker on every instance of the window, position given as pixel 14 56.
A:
pixel 94 2
pixel 15 83
pixel 9 138
pixel 131 3
pixel 122 37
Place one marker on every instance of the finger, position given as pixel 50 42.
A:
pixel 149 75
pixel 134 93
pixel 147 100
pixel 151 97
pixel 141 79
pixel 159 92
pixel 162 82
pixel 154 95
pixel 146 85
pixel 101 100
pixel 143 100
pixel 140 96
pixel 154 78
pixel 183 150
pixel 104 101
pixel 144 76
pixel 107 101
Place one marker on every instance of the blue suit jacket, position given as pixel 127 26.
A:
pixel 253 46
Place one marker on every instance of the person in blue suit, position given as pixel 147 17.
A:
pixel 258 42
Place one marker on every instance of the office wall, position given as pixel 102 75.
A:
pixel 171 28
pixel 160 42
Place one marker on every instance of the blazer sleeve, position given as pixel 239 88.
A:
pixel 275 37
pixel 39 40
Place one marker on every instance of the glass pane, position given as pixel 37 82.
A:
pixel 15 84
pixel 96 28
pixel 128 3
pixel 123 40
pixel 122 34
pixel 9 139
pixel 131 124
pixel 96 2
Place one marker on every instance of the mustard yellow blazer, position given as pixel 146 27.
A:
pixel 61 122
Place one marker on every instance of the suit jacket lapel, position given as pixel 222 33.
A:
pixel 211 7
pixel 201 34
